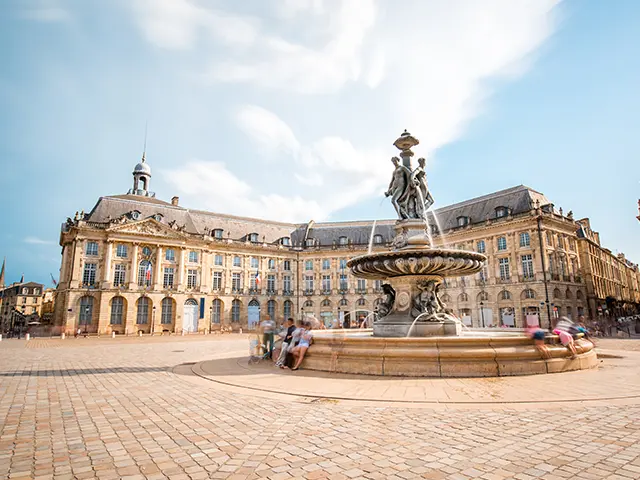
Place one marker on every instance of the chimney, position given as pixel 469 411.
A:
pixel 174 201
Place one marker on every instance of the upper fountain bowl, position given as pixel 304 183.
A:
pixel 417 260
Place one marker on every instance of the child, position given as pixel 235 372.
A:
pixel 537 335
pixel 567 340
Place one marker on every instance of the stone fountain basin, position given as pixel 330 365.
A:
pixel 441 262
pixel 483 354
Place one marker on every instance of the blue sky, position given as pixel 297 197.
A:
pixel 288 109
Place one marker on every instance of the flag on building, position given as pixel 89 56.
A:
pixel 147 273
pixel 257 278
pixel 55 284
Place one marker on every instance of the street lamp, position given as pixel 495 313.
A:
pixel 482 312
pixel 210 317
pixel 153 320
pixel 87 309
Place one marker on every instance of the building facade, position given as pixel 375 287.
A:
pixel 21 303
pixel 135 264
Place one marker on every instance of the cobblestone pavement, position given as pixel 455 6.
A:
pixel 130 408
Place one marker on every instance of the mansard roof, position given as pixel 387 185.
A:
pixel 517 200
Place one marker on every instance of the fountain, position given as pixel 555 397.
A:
pixel 414 333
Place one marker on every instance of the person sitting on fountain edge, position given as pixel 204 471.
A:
pixel 300 350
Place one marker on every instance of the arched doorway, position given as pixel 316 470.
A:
pixel 253 314
pixel 190 322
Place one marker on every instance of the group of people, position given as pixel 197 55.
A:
pixel 296 339
pixel 566 330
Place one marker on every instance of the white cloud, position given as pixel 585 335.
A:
pixel 38 241
pixel 429 66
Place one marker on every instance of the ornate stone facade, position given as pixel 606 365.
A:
pixel 138 264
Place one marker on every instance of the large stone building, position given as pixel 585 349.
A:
pixel 21 303
pixel 138 264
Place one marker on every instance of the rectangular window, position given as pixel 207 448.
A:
pixel 287 283
pixel 217 260
pixel 193 257
pixel 344 284
pixel 502 243
pixel 237 262
pixel 119 275
pixel 483 275
pixel 254 262
pixel 236 282
pixel 235 311
pixel 167 312
pixel 326 264
pixel 308 265
pixel 89 274
pixel 217 280
pixel 192 278
pixel 326 283
pixel 271 264
pixel 287 265
pixel 527 266
pixel 480 246
pixel 549 239
pixel 217 233
pixel 343 264
pixel 271 283
pixel 121 251
pixel 167 281
pixel 525 240
pixel 216 312
pixel 308 283
pixel 145 273
pixel 92 249
pixel 362 285
pixel 170 255
pixel 505 271
pixel 377 285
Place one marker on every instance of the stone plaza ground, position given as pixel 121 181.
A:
pixel 191 408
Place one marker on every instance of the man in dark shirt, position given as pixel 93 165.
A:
pixel 286 341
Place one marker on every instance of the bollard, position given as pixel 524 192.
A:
pixel 0 337
pixel 62 336
pixel 206 332
pixel 139 333
pixel 183 332
pixel 113 334
pixel 240 330
pixel 27 337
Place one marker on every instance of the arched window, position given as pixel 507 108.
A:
pixel 271 309
pixel 344 302
pixel 235 311
pixel 326 303
pixel 288 307
pixel 483 296
pixel 377 239
pixel 167 311
pixel 191 302
pixel 463 297
pixel 505 295
pixel 446 298
pixel 378 301
pixel 528 294
pixel 308 303
pixel 216 311
pixel 557 293
pixel 144 273
pixel 86 310
pixel 117 309
pixel 361 302
pixel 142 317
pixel 568 295
pixel 579 295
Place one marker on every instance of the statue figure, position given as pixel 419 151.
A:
pixel 422 197
pixel 427 302
pixel 399 188
pixel 384 307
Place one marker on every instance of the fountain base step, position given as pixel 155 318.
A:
pixel 445 328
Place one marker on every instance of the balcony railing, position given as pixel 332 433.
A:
pixel 361 291
pixel 237 290
pixel 481 282
pixel 566 278
pixel 254 291
pixel 555 277
pixel 271 291
pixel 527 278
pixel 326 291
pixel 287 293
pixel 577 279
pixel 504 280
pixel 308 292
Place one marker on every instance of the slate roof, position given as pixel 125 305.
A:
pixel 519 199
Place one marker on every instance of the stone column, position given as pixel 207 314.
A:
pixel 74 269
pixel 107 266
pixel 133 278
pixel 158 272
pixel 180 266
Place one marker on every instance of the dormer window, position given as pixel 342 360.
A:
pixel 343 241
pixel 377 239
pixel 463 221
pixel 286 241
pixel 217 233
pixel 309 242
pixel 253 237
pixel 502 212
pixel 157 217
pixel 135 215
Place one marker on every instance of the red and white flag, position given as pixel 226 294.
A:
pixel 147 272
pixel 257 278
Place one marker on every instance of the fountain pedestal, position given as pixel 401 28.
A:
pixel 417 310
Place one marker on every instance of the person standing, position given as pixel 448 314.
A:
pixel 286 341
pixel 268 327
